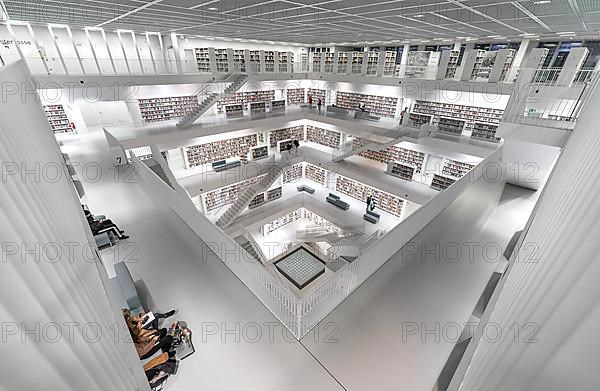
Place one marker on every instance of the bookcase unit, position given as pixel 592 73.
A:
pixel 58 119
pixel 286 62
pixel 269 61
pixel 203 60
pixel 325 137
pixel 483 131
pixel 360 191
pixel 258 200
pixel 260 152
pixel 254 59
pixel 342 65
pixel 226 195
pixel 389 67
pixel 277 106
pixel 304 61
pixel 219 150
pixel 316 62
pixel 285 145
pixel 258 107
pixel 234 111
pixel 357 62
pixel 374 104
pixel 282 221
pixel 392 153
pixel 372 63
pixel 401 170
pixel 274 194
pixel 295 96
pixel 315 173
pixel 291 133
pixel 164 109
pixel 316 94
pixel 507 64
pixel 263 198
pixel 417 119
pixel 246 97
pixel 470 114
pixel 452 64
pixel 450 125
pixel 484 62
pixel 293 173
pixel 440 182
pixel 411 157
pixel 329 62
pixel 239 59
pixel 455 168
pixel 222 60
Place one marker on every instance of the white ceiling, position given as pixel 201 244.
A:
pixel 321 21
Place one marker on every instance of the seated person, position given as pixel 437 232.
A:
pixel 140 320
pixel 147 341
pixel 103 225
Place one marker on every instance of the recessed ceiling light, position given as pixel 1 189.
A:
pixel 419 16
pixel 566 33
pixel 542 2
pixel 213 9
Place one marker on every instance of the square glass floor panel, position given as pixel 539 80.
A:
pixel 301 267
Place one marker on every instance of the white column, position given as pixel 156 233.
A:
pixel 443 65
pixel 573 63
pixel 468 63
pixel 381 63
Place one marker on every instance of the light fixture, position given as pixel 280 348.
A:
pixel 213 9
pixel 419 16
pixel 566 33
pixel 542 2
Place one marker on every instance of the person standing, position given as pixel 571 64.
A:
pixel 369 202
pixel 310 100
pixel 319 103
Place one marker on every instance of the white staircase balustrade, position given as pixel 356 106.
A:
pixel 237 81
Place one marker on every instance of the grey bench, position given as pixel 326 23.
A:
pixel 103 240
pixel 336 201
pixel 366 115
pixel 307 189
pixel 221 165
pixel 128 289
pixel 371 217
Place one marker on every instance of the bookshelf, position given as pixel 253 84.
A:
pixel 452 64
pixel 360 191
pixel 254 59
pixel 277 106
pixel 316 61
pixel 325 137
pixel 389 67
pixel 222 60
pixel 274 194
pixel 258 107
pixel 484 62
pixel 219 198
pixel 142 153
pixel 470 114
pixel 246 97
pixel 304 61
pixel 401 171
pixel 320 221
pixel 329 62
pixel 451 125
pixel 234 111
pixel 282 221
pixel 316 94
pixel 293 173
pixel 372 63
pixel 286 61
pixel 342 63
pixel 374 104
pixel 440 182
pixel 219 150
pixel 203 60
pixel 507 64
pixel 164 109
pixel 295 96
pixel 58 119
pixel 239 60
pixel 393 153
pixel 258 153
pixel 269 61
pixel 417 119
pixel 486 132
pixel 291 133
pixel 285 145
pixel 455 168
pixel 411 157
pixel 257 201
pixel 315 173
pixel 357 62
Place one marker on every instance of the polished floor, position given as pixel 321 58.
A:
pixel 359 346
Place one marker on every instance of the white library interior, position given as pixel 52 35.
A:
pixel 299 195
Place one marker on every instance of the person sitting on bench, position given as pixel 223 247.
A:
pixel 140 320
pixel 148 341
pixel 103 225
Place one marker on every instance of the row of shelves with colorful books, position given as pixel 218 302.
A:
pixel 440 182
pixel 451 125
pixel 58 119
pixel 286 61
pixel 470 114
pixel 282 221
pixel 197 155
pixel 316 94
pixel 372 63
pixel 260 152
pixel 295 96
pixel 486 132
pixel 166 108
pixel 315 173
pixel 455 168
pixel 375 104
pixel 392 153
pixel 401 170
pixel 203 60
pixel 329 62
pixel 389 66
pixel 359 191
pixel 224 196
pixel 290 133
pixel 293 173
pixel 244 98
pixel 325 137
pixel 263 198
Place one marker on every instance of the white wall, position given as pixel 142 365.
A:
pixel 105 113
pixel 528 165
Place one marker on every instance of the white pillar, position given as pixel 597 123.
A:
pixel 573 63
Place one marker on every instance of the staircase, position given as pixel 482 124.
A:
pixel 158 170
pixel 244 199
pixel 246 245
pixel 348 149
pixel 236 82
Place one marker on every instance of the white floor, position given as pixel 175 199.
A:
pixel 359 345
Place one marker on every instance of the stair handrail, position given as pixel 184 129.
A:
pixel 247 235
